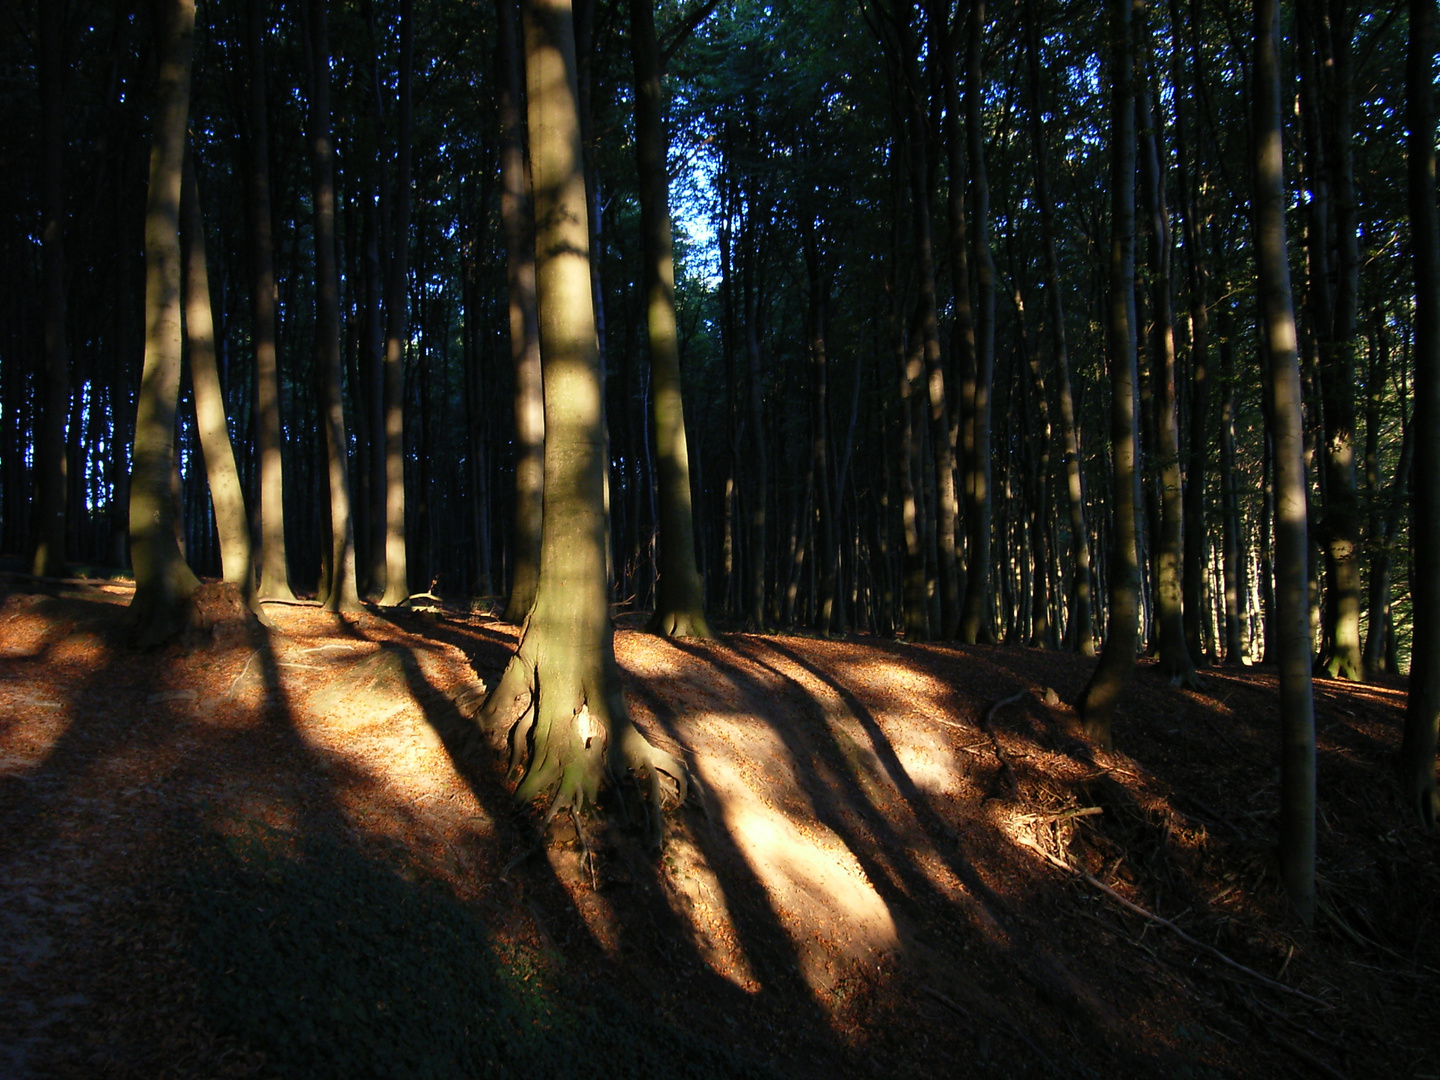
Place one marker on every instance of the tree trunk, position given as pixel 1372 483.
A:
pixel 563 679
pixel 1082 616
pixel 680 593
pixel 274 568
pixel 397 325
pixel 47 556
pixel 164 584
pixel 341 592
pixel 825 548
pixel 1292 625
pixel 1422 712
pixel 225 492
pixel 974 623
pixel 1176 662
pixel 1117 658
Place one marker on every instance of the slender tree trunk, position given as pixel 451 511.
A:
pixel 163 582
pixel 1422 713
pixel 1082 616
pixel 225 493
pixel 825 547
pixel 1292 644
pixel 1117 658
pixel 1234 563
pixel 341 593
pixel 1176 662
pixel 577 732
pixel 47 556
pixel 397 324
pixel 274 569
pixel 975 622
pixel 680 592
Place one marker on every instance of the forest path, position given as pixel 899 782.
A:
pixel 281 855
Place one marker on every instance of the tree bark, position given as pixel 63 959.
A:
pixel 274 569
pixel 517 225
pixel 1117 658
pixel 563 680
pixel 1422 712
pixel 974 622
pixel 1292 626
pixel 1176 662
pixel 397 324
pixel 1081 629
pixel 164 584
pixel 47 556
pixel 680 592
pixel 341 594
pixel 225 493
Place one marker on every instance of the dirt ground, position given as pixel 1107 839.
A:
pixel 905 863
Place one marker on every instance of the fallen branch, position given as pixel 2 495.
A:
pixel 1060 864
pixel 1073 812
pixel 1005 766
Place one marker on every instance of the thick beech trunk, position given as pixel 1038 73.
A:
pixel 163 582
pixel 561 690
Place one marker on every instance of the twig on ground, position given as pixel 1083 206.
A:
pixel 1060 864
pixel 1061 815
pixel 1005 766
pixel 243 670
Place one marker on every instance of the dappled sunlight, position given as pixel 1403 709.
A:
pixel 814 882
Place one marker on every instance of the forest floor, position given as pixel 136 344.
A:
pixel 284 854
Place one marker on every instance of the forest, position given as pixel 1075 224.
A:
pixel 1108 332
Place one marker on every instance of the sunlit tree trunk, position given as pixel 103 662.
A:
pixel 1117 658
pixel 47 556
pixel 1422 712
pixel 274 581
pixel 680 593
pixel 341 593
pixel 1292 622
pixel 163 582
pixel 563 680
pixel 397 324
pixel 229 501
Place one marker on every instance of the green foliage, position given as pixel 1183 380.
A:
pixel 334 965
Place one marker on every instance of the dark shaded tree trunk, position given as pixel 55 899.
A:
pixel 47 553
pixel 975 621
pixel 1081 630
pixel 1422 711
pixel 1117 658
pixel 517 225
pixel 1292 624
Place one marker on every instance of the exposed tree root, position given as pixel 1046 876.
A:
pixel 569 736
pixel 679 624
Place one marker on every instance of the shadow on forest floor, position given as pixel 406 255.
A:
pixel 293 855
